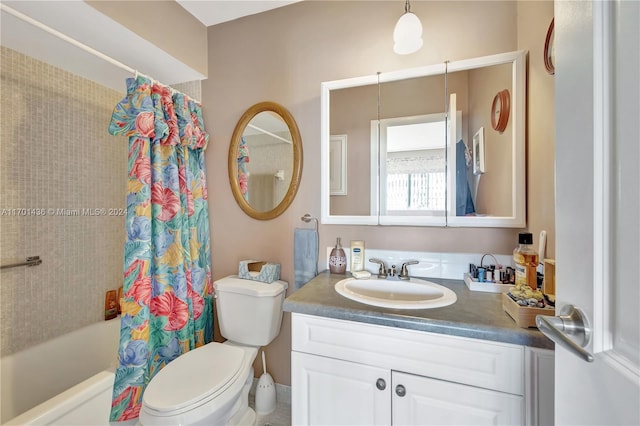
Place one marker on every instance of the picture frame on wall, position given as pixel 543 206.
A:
pixel 478 152
pixel 338 165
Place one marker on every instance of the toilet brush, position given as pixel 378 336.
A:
pixel 265 391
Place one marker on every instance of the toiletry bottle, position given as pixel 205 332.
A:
pixel 110 305
pixel 498 274
pixel 481 274
pixel 357 256
pixel 526 260
pixel 337 259
pixel 119 299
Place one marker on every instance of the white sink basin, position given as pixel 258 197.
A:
pixel 388 293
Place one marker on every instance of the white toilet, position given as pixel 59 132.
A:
pixel 210 385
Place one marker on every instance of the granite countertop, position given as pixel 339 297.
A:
pixel 476 314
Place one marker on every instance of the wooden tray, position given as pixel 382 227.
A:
pixel 524 316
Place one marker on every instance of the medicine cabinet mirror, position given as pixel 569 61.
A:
pixel 417 147
pixel 265 160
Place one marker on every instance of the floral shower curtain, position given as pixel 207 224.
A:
pixel 243 159
pixel 167 297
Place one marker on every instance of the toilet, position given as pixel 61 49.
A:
pixel 210 385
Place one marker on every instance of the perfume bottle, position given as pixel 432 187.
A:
pixel 337 259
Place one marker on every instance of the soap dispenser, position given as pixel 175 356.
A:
pixel 337 259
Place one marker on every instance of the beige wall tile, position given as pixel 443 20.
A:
pixel 56 153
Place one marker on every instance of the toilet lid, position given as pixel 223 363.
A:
pixel 193 377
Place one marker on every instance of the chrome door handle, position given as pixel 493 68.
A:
pixel 570 330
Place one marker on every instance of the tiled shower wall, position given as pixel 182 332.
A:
pixel 56 155
pixel 58 168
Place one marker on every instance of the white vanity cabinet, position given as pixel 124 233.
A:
pixel 349 373
pixel 418 400
pixel 330 391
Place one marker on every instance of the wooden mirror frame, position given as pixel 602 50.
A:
pixel 297 160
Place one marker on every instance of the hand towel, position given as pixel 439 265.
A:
pixel 464 200
pixel 305 256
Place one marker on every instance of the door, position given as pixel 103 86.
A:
pixel 597 207
pixel 426 401
pixel 328 391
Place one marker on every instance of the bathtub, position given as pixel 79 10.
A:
pixel 64 381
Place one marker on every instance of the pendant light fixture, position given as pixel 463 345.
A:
pixel 407 35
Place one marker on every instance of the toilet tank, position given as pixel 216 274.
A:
pixel 249 312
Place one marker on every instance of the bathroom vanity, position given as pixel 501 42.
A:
pixel 467 363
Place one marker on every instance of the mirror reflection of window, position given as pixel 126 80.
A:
pixel 413 165
pixel 416 166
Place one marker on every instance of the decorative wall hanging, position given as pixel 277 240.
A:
pixel 500 109
pixel 549 51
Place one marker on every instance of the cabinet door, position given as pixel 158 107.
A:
pixel 540 370
pixel 326 391
pixel 418 400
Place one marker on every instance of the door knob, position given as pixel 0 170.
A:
pixel 570 329
pixel 381 384
pixel 401 391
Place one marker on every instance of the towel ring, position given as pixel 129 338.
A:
pixel 308 218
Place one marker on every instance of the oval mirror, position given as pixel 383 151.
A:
pixel 265 160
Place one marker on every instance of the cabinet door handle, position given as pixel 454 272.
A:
pixel 381 384
pixel 401 391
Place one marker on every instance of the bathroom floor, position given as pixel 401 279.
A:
pixel 282 414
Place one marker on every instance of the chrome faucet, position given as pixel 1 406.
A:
pixel 382 272
pixel 404 274
pixel 393 271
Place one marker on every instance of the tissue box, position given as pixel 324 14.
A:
pixel 266 272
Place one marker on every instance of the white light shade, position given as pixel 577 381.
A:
pixel 407 35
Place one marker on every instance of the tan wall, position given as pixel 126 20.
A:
pixel 184 37
pixel 352 110
pixel 532 30
pixel 485 83
pixel 283 55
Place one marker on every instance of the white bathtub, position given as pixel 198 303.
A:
pixel 87 403
pixel 65 381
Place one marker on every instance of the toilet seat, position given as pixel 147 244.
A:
pixel 192 386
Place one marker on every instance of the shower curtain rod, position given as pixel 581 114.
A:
pixel 78 44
